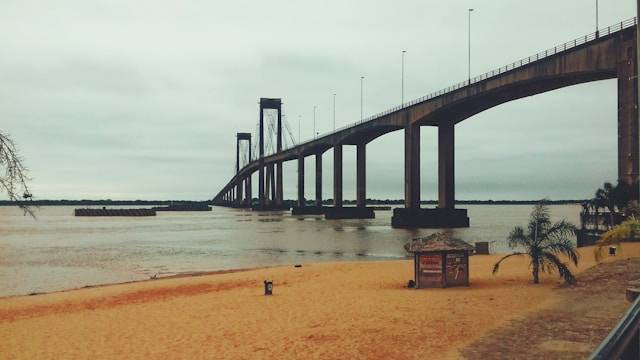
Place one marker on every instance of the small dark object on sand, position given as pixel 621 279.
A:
pixel 411 284
pixel 297 265
pixel 268 287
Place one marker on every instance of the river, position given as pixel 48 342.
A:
pixel 58 251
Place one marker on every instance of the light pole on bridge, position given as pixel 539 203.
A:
pixel 402 96
pixel 314 121
pixel 597 30
pixel 362 97
pixel 469 42
pixel 334 112
pixel 299 132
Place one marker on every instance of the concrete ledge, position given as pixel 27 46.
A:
pixel 308 210
pixel 333 213
pixel 429 218
pixel 271 208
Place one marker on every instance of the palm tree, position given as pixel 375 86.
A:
pixel 543 241
pixel 596 204
pixel 606 196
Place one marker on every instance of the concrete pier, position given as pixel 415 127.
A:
pixel 248 191
pixel 445 215
pixel 628 146
pixel 279 199
pixel 301 201
pixel 446 176
pixel 361 175
pixel 319 179
pixel 349 212
pixel 267 194
pixel 317 209
pixel 337 176
pixel 360 211
pixel 261 196
pixel 239 197
pixel 272 188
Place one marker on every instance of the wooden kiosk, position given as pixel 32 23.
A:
pixel 440 261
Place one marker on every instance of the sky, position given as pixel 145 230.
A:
pixel 142 99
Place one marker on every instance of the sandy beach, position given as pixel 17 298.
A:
pixel 325 310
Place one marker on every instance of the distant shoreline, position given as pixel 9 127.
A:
pixel 326 202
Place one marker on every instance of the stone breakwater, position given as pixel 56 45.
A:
pixel 115 212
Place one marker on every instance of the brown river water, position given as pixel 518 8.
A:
pixel 58 251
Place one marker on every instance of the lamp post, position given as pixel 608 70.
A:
pixel 362 97
pixel 334 111
pixel 402 96
pixel 469 53
pixel 597 27
pixel 299 122
pixel 314 121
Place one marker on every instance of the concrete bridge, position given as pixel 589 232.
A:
pixel 607 54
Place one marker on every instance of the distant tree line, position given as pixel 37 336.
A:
pixel 326 202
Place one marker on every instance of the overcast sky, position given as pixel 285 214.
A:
pixel 142 99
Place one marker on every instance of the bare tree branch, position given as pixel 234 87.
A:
pixel 13 174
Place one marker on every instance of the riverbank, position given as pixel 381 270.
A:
pixel 330 310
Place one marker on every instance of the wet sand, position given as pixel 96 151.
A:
pixel 328 310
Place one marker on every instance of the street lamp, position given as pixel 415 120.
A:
pixel 597 30
pixel 362 98
pixel 334 112
pixel 314 121
pixel 469 53
pixel 299 122
pixel 402 96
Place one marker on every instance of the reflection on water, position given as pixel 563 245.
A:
pixel 59 251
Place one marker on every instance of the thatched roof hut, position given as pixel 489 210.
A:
pixel 437 242
pixel 440 260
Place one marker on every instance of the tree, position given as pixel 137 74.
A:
pixel 614 198
pixel 543 241
pixel 629 230
pixel 606 197
pixel 13 173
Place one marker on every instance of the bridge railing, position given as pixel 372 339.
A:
pixel 623 342
pixel 501 70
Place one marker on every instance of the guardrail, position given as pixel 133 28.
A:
pixel 623 342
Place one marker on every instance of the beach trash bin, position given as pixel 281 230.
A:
pixel 268 287
pixel 482 248
pixel 612 251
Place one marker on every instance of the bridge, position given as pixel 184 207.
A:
pixel 606 54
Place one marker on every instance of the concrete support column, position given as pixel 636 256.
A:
pixel 247 198
pixel 628 144
pixel 239 192
pixel 278 190
pixel 361 175
pixel 279 183
pixel 272 188
pixel 446 165
pixel 267 194
pixel 412 166
pixel 301 202
pixel 319 179
pixel 337 176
